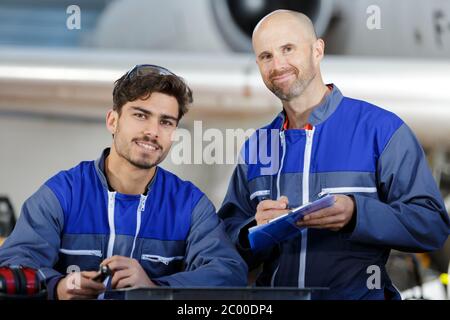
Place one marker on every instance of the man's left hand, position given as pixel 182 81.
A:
pixel 127 272
pixel 334 218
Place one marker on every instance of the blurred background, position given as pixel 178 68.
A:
pixel 59 59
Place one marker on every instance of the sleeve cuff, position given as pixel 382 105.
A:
pixel 51 287
pixel 350 226
pixel 242 238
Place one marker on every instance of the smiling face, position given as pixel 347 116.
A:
pixel 287 54
pixel 143 130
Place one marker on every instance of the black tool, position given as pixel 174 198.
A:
pixel 7 217
pixel 103 273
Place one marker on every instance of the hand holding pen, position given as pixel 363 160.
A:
pixel 270 209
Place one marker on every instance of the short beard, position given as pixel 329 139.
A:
pixel 143 165
pixel 298 87
pixel 126 155
pixel 138 164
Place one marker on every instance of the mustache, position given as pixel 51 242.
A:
pixel 148 139
pixel 277 73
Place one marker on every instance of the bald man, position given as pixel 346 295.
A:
pixel 326 143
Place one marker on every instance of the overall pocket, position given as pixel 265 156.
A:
pixel 347 190
pixel 158 266
pixel 79 260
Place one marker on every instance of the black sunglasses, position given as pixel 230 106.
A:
pixel 146 69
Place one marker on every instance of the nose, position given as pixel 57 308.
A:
pixel 152 129
pixel 278 63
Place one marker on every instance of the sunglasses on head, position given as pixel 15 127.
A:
pixel 146 69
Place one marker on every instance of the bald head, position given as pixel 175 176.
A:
pixel 297 20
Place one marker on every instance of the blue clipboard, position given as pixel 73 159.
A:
pixel 283 227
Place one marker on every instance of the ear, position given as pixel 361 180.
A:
pixel 318 50
pixel 112 118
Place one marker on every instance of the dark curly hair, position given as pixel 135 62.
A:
pixel 128 88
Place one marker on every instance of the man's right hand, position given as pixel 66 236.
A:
pixel 79 285
pixel 270 209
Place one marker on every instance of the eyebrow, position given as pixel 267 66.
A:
pixel 141 110
pixel 148 112
pixel 287 45
pixel 167 117
pixel 263 53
